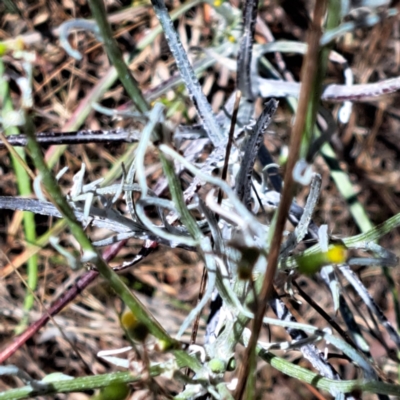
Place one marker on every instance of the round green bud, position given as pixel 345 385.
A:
pixel 114 391
pixel 217 365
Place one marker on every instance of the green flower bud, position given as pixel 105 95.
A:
pixel 114 391
pixel 217 365
pixel 311 263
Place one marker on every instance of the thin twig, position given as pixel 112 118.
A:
pixel 77 137
pixel 230 141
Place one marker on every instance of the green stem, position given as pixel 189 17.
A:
pixel 177 197
pixel 24 189
pixel 330 385
pixel 76 385
pixel 115 55
pixel 89 252
pixel 68 385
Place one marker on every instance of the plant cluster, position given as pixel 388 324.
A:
pixel 230 212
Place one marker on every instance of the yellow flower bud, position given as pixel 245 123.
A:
pixel 311 263
pixel 133 327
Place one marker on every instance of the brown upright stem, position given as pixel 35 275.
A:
pixel 308 74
